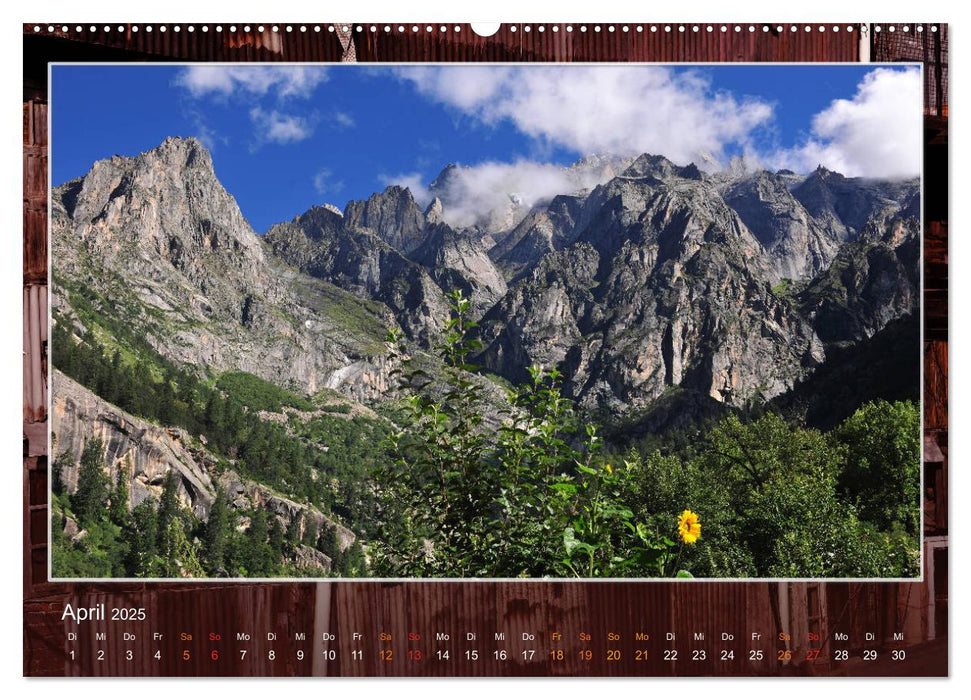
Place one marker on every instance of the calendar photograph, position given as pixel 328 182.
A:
pixel 494 321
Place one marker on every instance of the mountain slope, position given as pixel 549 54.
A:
pixel 156 240
pixel 665 286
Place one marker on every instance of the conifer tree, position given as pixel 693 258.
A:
pixel 64 461
pixel 91 496
pixel 215 539
pixel 310 534
pixel 276 541
pixel 142 534
pixel 119 495
pixel 168 512
pixel 257 550
pixel 293 532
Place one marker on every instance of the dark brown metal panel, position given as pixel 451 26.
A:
pixel 922 43
pixel 569 42
pixel 935 386
pixel 35 191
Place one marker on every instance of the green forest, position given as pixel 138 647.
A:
pixel 438 485
pixel 162 539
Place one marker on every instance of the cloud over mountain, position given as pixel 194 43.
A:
pixel 624 110
pixel 877 133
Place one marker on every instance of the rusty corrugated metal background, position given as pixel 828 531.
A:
pixel 438 42
pixel 927 44
pixel 488 607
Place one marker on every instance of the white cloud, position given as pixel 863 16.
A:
pixel 259 85
pixel 504 192
pixel 623 110
pixel 227 81
pixel 344 120
pixel 877 133
pixel 325 183
pixel 474 193
pixel 276 127
pixel 468 88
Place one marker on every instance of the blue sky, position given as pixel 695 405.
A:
pixel 284 138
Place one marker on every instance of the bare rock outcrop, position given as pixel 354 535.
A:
pixel 145 453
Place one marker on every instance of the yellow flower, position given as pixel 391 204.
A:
pixel 689 526
pixel 610 470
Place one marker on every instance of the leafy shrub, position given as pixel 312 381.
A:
pixel 259 394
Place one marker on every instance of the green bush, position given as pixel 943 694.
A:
pixel 881 474
pixel 259 394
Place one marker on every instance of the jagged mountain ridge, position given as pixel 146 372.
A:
pixel 662 276
pixel 157 242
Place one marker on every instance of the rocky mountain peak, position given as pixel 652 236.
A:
pixel 598 167
pixel 798 246
pixel 441 182
pixel 316 221
pixel 648 165
pixel 188 148
pixel 434 211
pixel 165 205
pixel 392 214
pixel 457 260
pixel 181 156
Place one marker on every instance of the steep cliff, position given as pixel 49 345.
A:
pixel 145 453
pixel 156 240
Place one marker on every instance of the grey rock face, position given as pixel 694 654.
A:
pixel 325 246
pixel 307 558
pixel 797 245
pixel 542 318
pixel 542 231
pixel 459 261
pixel 665 287
pixel 845 205
pixel 666 276
pixel 433 212
pixel 145 453
pixel 142 451
pixel 159 241
pixel 392 215
pixel 873 281
pixel 380 250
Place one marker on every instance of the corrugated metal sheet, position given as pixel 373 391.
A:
pixel 513 42
pixel 534 607
pixel 35 191
pixel 923 43
pixel 935 386
pixel 35 360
